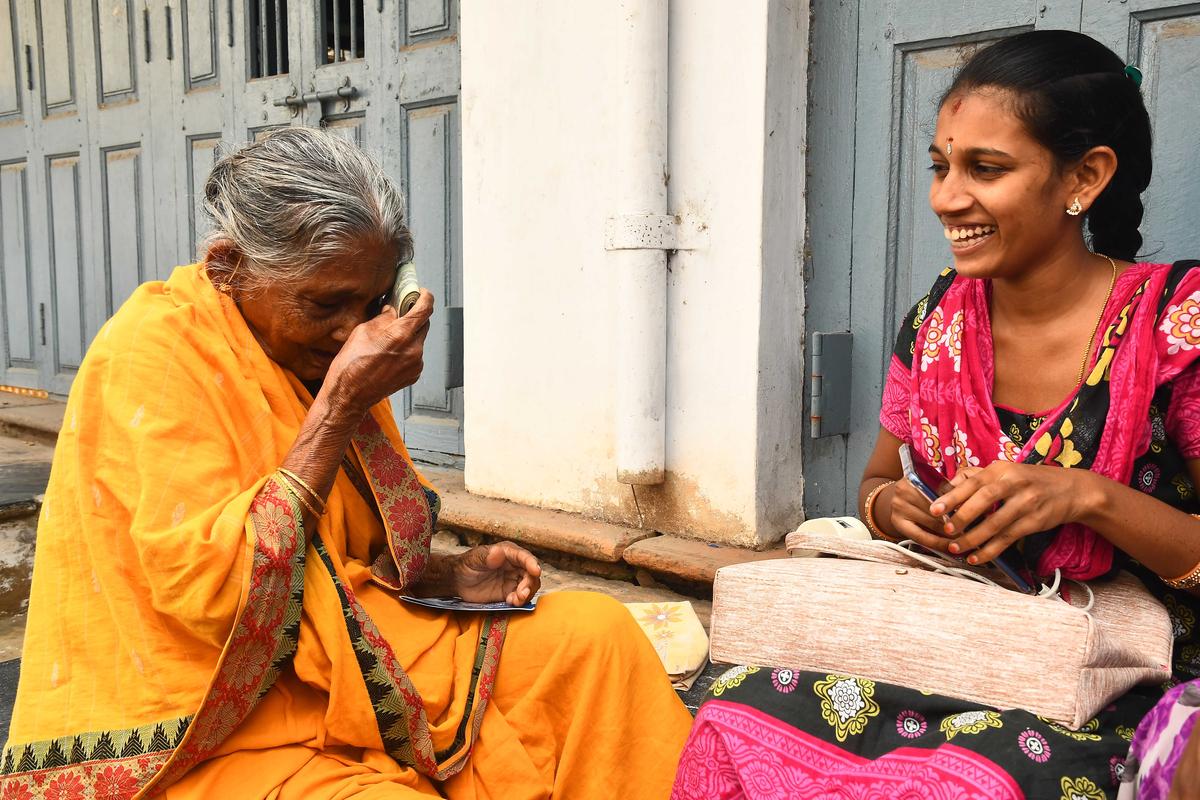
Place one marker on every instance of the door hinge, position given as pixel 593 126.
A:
pixel 829 389
pixel 454 347
pixel 29 68
pixel 229 22
pixel 170 35
pixel 42 321
pixel 146 33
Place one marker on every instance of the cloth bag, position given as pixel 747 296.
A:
pixel 884 615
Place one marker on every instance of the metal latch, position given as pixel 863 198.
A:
pixel 829 393
pixel 296 101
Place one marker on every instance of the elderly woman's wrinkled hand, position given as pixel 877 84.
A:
pixel 382 356
pixel 495 572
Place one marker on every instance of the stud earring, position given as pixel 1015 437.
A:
pixel 1075 209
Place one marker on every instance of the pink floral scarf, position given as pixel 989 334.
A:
pixel 941 403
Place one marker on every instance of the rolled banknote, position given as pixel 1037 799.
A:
pixel 406 291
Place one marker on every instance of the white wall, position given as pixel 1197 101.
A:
pixel 539 96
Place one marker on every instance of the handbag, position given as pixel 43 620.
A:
pixel 881 613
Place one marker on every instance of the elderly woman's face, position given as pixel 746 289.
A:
pixel 302 324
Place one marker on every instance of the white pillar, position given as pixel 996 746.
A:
pixel 641 274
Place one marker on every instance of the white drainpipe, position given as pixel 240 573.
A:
pixel 639 235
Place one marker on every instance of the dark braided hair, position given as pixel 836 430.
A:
pixel 1072 94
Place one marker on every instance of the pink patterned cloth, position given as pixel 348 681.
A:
pixel 736 752
pixel 942 404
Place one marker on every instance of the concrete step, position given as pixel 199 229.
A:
pixel 31 418
pixel 691 560
pixel 463 512
pixel 612 551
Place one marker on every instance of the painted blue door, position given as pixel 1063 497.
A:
pixel 875 247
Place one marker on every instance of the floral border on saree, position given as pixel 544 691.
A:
pixel 263 640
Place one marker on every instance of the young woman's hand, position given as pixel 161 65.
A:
pixel 1026 498
pixel 911 519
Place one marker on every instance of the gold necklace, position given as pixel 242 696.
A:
pixel 1087 353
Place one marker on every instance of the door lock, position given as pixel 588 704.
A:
pixel 296 101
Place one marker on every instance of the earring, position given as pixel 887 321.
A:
pixel 227 284
pixel 1075 209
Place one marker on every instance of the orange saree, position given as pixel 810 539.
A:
pixel 187 637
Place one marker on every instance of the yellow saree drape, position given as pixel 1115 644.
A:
pixel 182 637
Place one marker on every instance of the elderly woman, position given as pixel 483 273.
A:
pixel 232 517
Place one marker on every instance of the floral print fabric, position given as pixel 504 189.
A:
pixel 818 735
pixel 941 403
pixel 1159 743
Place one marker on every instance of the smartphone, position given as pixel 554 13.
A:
pixel 923 475
pixel 930 482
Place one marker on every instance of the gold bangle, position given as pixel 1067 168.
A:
pixel 316 497
pixel 1188 580
pixel 869 509
pixel 294 492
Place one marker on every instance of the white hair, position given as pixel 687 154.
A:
pixel 295 199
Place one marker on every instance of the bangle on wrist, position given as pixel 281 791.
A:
pixel 296 493
pixel 869 512
pixel 1189 579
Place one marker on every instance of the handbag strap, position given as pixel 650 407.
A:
pixel 902 554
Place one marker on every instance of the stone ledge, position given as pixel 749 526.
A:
pixel 31 419
pixel 541 528
pixel 690 559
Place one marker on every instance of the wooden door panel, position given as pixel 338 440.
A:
pixel 200 37
pixel 10 69
pixel 426 19
pixel 430 146
pixel 352 127
pixel 122 219
pixel 64 214
pixel 56 55
pixel 1165 43
pixel 16 278
pixel 200 153
pixel 113 39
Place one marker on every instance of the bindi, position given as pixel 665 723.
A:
pixel 950 146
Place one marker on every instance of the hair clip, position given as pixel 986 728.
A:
pixel 1134 75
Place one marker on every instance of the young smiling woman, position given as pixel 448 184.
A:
pixel 1052 378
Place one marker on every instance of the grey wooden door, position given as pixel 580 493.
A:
pixel 396 67
pixel 107 137
pixel 420 114
pixel 1163 39
pixel 875 245
pixel 77 179
pixel 197 80
pixel 20 333
pixel 118 83
pixel 60 165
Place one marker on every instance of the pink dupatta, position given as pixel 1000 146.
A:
pixel 942 403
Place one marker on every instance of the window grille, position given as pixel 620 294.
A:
pixel 341 30
pixel 268 37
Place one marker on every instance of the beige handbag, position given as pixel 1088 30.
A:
pixel 882 614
